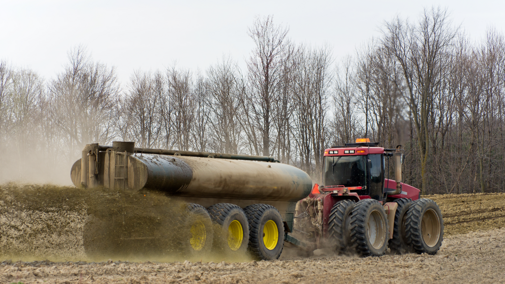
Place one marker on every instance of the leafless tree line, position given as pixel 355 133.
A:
pixel 425 86
pixel 421 84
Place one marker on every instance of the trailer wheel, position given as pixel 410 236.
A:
pixel 399 243
pixel 424 226
pixel 338 225
pixel 266 240
pixel 369 228
pixel 233 235
pixel 198 230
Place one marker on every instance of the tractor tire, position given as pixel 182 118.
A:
pixel 339 224
pixel 424 226
pixel 198 232
pixel 266 229
pixel 369 228
pixel 232 231
pixel 399 243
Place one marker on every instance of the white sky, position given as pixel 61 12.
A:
pixel 152 35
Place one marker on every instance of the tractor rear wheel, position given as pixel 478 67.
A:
pixel 399 243
pixel 233 236
pixel 338 225
pixel 369 228
pixel 424 226
pixel 266 240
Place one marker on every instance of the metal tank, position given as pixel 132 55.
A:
pixel 197 177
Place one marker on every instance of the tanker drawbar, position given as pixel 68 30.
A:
pixel 233 203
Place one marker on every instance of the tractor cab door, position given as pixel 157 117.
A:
pixel 376 176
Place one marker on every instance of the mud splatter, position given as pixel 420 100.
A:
pixel 70 224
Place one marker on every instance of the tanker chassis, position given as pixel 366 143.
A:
pixel 236 204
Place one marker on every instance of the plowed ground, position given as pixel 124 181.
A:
pixel 471 212
pixel 41 242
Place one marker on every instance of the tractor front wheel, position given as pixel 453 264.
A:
pixel 369 228
pixel 338 225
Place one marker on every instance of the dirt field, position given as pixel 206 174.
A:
pixel 468 258
pixel 471 212
pixel 41 242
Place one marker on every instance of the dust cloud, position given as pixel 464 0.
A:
pixel 36 164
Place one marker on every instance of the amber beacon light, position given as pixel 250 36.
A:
pixel 362 140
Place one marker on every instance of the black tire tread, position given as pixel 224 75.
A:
pixel 193 206
pixel 413 226
pixel 358 227
pixel 254 213
pixel 336 228
pixel 397 243
pixel 218 212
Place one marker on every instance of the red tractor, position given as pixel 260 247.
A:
pixel 359 207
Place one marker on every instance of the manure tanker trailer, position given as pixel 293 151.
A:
pixel 234 203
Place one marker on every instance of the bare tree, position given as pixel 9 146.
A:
pixel 487 95
pixel 225 95
pixel 83 100
pixel 21 92
pixel 143 110
pixel 345 122
pixel 182 107
pixel 310 97
pixel 419 50
pixel 363 82
pixel 458 161
pixel 265 68
pixel 284 105
pixel 388 107
pixel 202 114
pixel 26 91
pixel 5 75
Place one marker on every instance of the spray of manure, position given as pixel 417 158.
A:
pixel 58 223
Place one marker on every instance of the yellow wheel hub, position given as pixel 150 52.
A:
pixel 235 235
pixel 270 235
pixel 198 235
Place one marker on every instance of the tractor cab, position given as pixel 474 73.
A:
pixel 362 168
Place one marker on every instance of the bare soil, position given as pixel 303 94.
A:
pixel 41 242
pixel 471 212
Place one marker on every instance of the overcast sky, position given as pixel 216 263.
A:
pixel 152 35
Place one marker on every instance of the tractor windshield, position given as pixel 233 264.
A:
pixel 345 170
